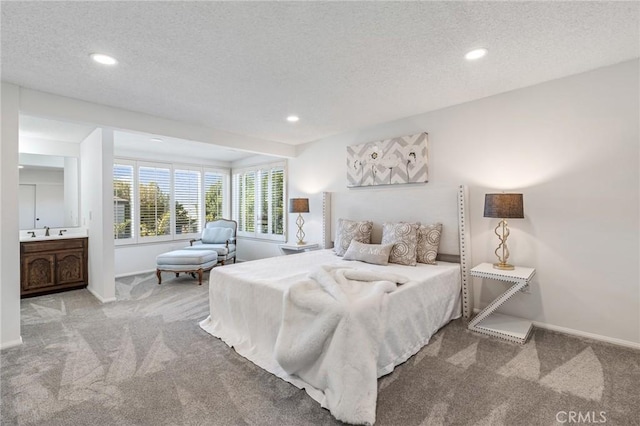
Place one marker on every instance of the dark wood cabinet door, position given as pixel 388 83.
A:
pixel 38 271
pixel 70 267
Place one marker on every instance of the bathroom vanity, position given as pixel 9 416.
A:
pixel 53 264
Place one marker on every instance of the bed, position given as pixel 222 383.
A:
pixel 246 299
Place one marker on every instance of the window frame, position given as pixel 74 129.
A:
pixel 174 217
pixel 155 238
pixel 134 204
pixel 226 191
pixel 136 238
pixel 258 169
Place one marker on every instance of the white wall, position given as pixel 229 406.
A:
pixel 42 104
pixel 31 145
pixel 40 176
pixel 96 195
pixel 9 234
pixel 176 159
pixel 571 147
pixel 141 258
pixel 71 192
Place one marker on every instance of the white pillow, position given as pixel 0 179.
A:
pixel 216 235
pixel 378 254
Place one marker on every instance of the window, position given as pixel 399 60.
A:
pixel 187 195
pixel 159 201
pixel 244 200
pixel 122 201
pixel 155 201
pixel 214 195
pixel 258 201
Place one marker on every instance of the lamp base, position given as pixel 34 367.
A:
pixel 504 266
pixel 300 233
pixel 301 243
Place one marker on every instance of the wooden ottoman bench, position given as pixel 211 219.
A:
pixel 189 261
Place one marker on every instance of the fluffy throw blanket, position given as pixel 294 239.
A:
pixel 330 335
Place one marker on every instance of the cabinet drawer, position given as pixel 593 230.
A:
pixel 52 245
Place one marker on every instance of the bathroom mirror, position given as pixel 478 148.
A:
pixel 48 191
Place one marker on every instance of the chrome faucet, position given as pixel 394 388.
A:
pixel 46 232
pixel 61 231
pixel 33 234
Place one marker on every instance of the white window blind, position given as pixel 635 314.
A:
pixel 154 195
pixel 186 193
pixel 264 206
pixel 243 193
pixel 122 201
pixel 278 213
pixel 213 196
pixel 160 201
pixel 258 201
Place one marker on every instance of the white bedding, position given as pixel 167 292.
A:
pixel 246 303
pixel 330 336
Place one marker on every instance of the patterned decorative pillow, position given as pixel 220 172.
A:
pixel 428 242
pixel 378 254
pixel 404 237
pixel 351 230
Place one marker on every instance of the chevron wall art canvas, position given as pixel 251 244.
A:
pixel 388 162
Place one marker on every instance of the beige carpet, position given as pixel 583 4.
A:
pixel 145 361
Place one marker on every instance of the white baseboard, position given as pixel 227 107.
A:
pixel 585 334
pixel 128 274
pixel 579 333
pixel 100 298
pixel 11 344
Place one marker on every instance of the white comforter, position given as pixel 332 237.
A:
pixel 246 307
pixel 330 335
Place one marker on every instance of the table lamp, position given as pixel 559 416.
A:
pixel 503 207
pixel 299 205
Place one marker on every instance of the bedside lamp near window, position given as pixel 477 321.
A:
pixel 503 206
pixel 299 205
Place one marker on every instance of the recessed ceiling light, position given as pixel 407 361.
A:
pixel 103 59
pixel 155 140
pixel 293 118
pixel 476 54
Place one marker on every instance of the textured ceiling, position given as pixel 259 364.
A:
pixel 244 66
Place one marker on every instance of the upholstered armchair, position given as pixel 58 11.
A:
pixel 219 236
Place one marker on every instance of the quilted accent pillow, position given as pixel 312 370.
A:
pixel 428 242
pixel 216 235
pixel 378 254
pixel 404 237
pixel 351 230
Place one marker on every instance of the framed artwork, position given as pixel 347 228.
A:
pixel 393 161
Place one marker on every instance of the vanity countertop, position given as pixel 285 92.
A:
pixel 29 238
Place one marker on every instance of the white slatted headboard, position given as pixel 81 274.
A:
pixel 426 204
